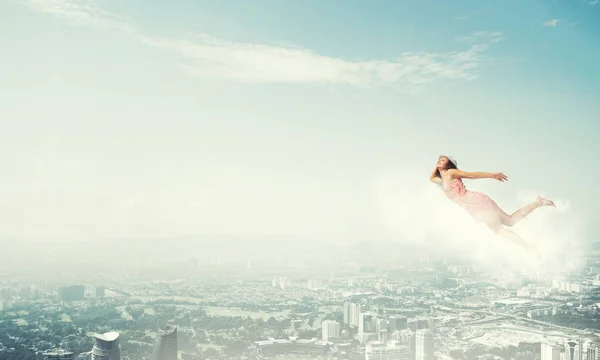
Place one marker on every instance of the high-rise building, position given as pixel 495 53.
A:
pixel 314 283
pixel 29 293
pixel 379 324
pixel 383 336
pixel 166 344
pixel 355 312
pixel 422 324
pixel 6 294
pixel 573 350
pixel 106 347
pixel 71 293
pixel 550 352
pixel 100 291
pixel 413 324
pixel 424 345
pixel 391 351
pixel 346 313
pixel 352 313
pixel 284 283
pixel 365 323
pixel 591 350
pixel 398 322
pixel 408 337
pixel 58 354
pixel 330 330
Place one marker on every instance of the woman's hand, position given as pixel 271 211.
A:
pixel 500 177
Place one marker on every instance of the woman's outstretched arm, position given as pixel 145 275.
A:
pixel 459 174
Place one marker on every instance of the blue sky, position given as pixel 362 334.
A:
pixel 122 118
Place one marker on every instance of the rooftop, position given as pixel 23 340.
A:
pixel 107 336
pixel 166 330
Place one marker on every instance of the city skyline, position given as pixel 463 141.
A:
pixel 130 121
pixel 442 309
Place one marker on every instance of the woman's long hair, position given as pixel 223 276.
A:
pixel 449 166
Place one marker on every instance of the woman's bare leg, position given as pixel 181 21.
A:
pixel 509 235
pixel 514 238
pixel 514 218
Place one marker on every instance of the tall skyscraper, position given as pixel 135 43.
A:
pixel 352 313
pixel 6 294
pixel 330 330
pixel 550 352
pixel 346 313
pixel 379 324
pixel 408 337
pixel 592 351
pixel 166 344
pixel 71 293
pixel 106 346
pixel 383 336
pixel 424 345
pixel 365 323
pixel 398 322
pixel 573 350
pixel 413 324
pixel 357 309
pixel 422 324
pixel 314 283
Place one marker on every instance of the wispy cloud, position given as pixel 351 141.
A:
pixel 551 22
pixel 591 2
pixel 470 15
pixel 208 56
pixel 487 37
pixel 81 12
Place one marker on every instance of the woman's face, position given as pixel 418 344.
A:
pixel 442 163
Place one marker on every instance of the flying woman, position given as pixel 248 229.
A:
pixel 480 206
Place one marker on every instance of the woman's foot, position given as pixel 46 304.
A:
pixel 545 202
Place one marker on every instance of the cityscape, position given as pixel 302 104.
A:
pixel 337 303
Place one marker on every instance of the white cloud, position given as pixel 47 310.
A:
pixel 208 56
pixel 551 22
pixel 486 37
pixel 265 63
pixel 591 2
pixel 419 213
pixel 81 12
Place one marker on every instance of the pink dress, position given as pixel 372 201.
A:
pixel 480 206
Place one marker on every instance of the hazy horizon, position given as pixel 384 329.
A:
pixel 306 120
